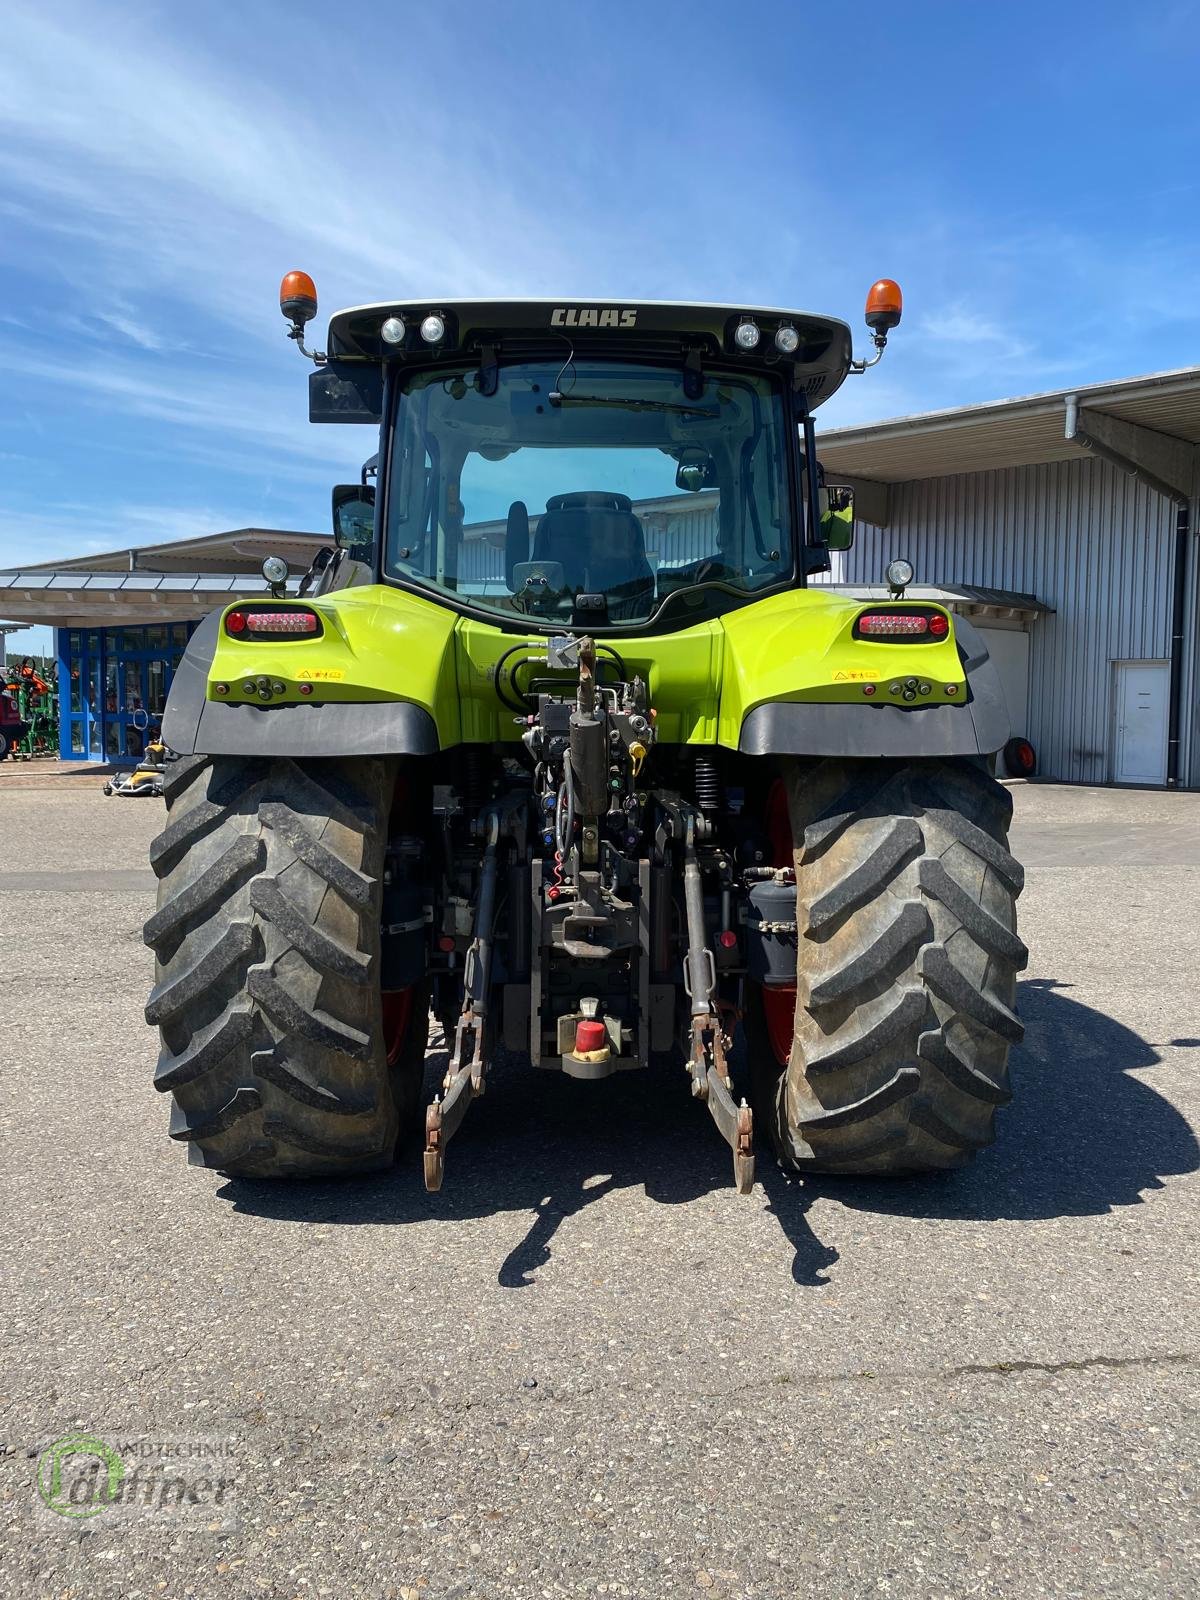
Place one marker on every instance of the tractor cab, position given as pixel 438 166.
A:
pixel 626 467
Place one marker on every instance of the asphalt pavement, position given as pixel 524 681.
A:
pixel 588 1367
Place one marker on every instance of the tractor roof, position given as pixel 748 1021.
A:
pixel 647 329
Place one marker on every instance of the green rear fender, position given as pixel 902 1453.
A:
pixel 798 682
pixel 394 673
pixel 801 647
pixel 379 679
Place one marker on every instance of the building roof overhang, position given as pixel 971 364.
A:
pixel 72 599
pixel 180 581
pixel 1148 415
pixel 239 550
pixel 968 600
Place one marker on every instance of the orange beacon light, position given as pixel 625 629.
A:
pixel 885 304
pixel 298 298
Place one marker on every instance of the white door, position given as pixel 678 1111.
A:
pixel 1009 650
pixel 1140 745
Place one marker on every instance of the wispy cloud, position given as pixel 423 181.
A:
pixel 68 528
pixel 200 183
pixel 268 416
pixel 161 191
pixel 129 328
pixel 960 324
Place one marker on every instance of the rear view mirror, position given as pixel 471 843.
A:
pixel 354 516
pixel 837 518
pixel 696 470
pixel 346 391
pixel 538 578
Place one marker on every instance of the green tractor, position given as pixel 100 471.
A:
pixel 559 742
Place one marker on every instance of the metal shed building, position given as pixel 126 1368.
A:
pixel 121 622
pixel 1086 499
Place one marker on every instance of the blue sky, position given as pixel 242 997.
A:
pixel 1028 173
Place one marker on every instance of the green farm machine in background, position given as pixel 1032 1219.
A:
pixel 28 711
pixel 560 742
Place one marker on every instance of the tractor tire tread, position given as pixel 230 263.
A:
pixel 206 1049
pixel 907 1081
pixel 266 939
pixel 358 888
pixel 214 885
pixel 235 943
pixel 907 962
pixel 889 843
pixel 880 950
pixel 322 951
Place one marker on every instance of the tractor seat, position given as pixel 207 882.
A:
pixel 601 546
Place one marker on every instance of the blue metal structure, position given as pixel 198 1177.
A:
pixel 112 683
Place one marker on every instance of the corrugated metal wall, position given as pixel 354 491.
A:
pixel 675 537
pixel 1190 732
pixel 1086 539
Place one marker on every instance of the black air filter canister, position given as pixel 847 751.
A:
pixel 771 932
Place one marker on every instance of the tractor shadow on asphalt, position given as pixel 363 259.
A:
pixel 1080 1137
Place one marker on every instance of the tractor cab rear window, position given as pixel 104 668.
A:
pixel 591 491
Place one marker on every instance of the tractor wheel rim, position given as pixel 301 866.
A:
pixel 779 1014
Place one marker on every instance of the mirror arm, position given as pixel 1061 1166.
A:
pixel 320 561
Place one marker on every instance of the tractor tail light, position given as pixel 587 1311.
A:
pixel 886 624
pixel 282 621
pixel 911 624
pixel 294 622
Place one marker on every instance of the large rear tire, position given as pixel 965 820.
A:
pixel 907 957
pixel 275 1046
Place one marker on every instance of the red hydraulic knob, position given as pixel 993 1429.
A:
pixel 590 1036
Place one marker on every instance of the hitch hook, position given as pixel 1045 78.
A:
pixel 712 1084
pixel 463 1083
